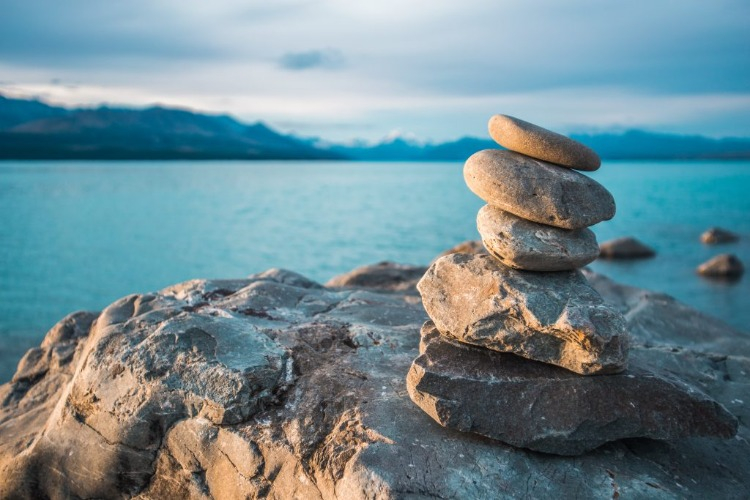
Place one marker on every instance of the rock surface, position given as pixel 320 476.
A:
pixel 468 246
pixel 544 408
pixel 522 244
pixel 381 276
pixel 537 142
pixel 344 426
pixel 625 248
pixel 716 235
pixel 722 266
pixel 554 318
pixel 536 190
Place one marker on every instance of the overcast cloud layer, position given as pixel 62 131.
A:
pixel 436 69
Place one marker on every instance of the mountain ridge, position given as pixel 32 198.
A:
pixel 32 129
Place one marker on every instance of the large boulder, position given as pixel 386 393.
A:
pixel 536 190
pixel 554 318
pixel 544 408
pixel 342 424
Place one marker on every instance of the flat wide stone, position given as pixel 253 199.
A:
pixel 553 317
pixel 536 190
pixel 544 408
pixel 537 142
pixel 523 244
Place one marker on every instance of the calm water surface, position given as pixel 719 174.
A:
pixel 78 235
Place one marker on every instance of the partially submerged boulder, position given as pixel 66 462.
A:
pixel 722 266
pixel 544 408
pixel 625 248
pixel 715 235
pixel 555 317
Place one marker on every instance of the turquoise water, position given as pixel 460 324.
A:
pixel 78 235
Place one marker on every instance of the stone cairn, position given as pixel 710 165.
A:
pixel 520 347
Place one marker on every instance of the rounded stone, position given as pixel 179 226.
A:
pixel 537 142
pixel 536 190
pixel 523 244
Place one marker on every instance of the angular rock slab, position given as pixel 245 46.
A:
pixel 537 142
pixel 544 408
pixel 554 318
pixel 523 244
pixel 536 190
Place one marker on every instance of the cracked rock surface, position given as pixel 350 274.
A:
pixel 553 317
pixel 302 394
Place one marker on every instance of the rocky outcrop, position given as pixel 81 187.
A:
pixel 536 190
pixel 541 407
pixel 342 425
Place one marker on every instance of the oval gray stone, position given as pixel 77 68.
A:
pixel 523 244
pixel 537 142
pixel 554 318
pixel 536 190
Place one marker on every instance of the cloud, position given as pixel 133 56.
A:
pixel 436 67
pixel 325 59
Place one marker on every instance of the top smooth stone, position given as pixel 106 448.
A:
pixel 542 144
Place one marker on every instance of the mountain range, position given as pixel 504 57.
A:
pixel 32 129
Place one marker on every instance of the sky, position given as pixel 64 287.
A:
pixel 431 70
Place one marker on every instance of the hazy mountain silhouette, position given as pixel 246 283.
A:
pixel 30 129
pixel 152 133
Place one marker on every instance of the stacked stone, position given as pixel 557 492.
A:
pixel 515 336
pixel 536 219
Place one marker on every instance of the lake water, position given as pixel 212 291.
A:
pixel 78 235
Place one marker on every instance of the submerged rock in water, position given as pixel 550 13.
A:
pixel 531 246
pixel 537 142
pixel 722 266
pixel 625 248
pixel 555 317
pixel 716 235
pixel 544 408
pixel 537 191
